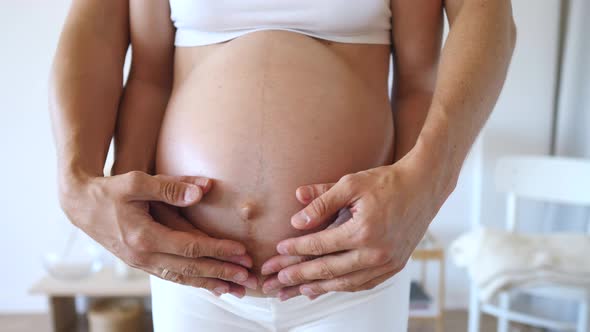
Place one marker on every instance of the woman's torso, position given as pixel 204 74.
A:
pixel 265 113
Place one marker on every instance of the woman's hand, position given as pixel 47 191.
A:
pixel 115 211
pixel 391 207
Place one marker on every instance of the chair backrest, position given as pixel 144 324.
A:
pixel 544 178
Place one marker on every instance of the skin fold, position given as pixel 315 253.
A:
pixel 288 129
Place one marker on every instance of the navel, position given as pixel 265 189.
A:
pixel 247 211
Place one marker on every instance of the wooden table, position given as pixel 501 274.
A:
pixel 432 252
pixel 62 294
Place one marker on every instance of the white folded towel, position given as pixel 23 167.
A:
pixel 498 260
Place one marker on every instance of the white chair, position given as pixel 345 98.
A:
pixel 541 178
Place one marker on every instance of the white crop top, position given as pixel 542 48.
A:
pixel 203 22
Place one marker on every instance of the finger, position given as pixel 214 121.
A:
pixel 323 207
pixel 293 291
pixel 204 183
pixel 306 194
pixel 206 267
pixel 144 187
pixel 243 260
pixel 216 286
pixel 237 290
pixel 324 242
pixel 322 268
pixel 271 284
pixel 169 216
pixel 347 283
pixel 279 262
pixel 288 292
pixel 161 239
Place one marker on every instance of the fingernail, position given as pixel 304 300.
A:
pixel 245 262
pixel 251 283
pixel 190 194
pixel 284 278
pixel 282 249
pixel 240 276
pixel 305 194
pixel 283 297
pixel 301 219
pixel 307 291
pixel 220 290
pixel 266 269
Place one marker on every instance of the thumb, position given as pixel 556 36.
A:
pixel 167 189
pixel 330 198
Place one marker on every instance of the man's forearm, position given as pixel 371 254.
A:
pixel 86 84
pixel 472 71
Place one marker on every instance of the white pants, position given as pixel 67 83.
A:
pixel 178 308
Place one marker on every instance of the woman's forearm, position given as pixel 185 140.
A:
pixel 472 71
pixel 138 125
pixel 86 83
pixel 148 87
pixel 410 114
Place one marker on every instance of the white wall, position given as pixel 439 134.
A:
pixel 520 123
pixel 31 218
pixel 522 120
pixel 32 221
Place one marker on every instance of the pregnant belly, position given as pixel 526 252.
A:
pixel 262 116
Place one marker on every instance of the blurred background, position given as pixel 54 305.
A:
pixel 544 109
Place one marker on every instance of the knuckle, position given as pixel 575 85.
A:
pixel 171 191
pixel 222 272
pixel 344 285
pixel 379 257
pixel 134 180
pixel 358 261
pixel 296 277
pixel 199 283
pixel 319 289
pixel 176 278
pixel 326 271
pixel 399 265
pixel 191 270
pixel 136 259
pixel 315 246
pixel 364 234
pixel 219 251
pixel 137 241
pixel 192 250
pixel 319 206
pixel 347 179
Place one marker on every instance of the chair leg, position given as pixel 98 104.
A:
pixel 503 323
pixel 474 309
pixel 582 325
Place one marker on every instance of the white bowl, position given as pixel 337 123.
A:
pixel 72 266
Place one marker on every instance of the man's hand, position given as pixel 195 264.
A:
pixel 390 209
pixel 115 211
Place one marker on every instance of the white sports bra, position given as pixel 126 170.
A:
pixel 203 22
